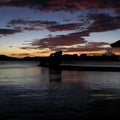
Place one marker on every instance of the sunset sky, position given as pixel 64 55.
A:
pixel 39 27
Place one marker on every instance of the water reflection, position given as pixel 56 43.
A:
pixel 55 75
pixel 31 92
pixel 93 79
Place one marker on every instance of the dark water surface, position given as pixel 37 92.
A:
pixel 29 92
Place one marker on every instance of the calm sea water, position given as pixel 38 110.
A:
pixel 29 92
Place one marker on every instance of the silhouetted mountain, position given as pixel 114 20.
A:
pixel 32 58
pixel 116 44
pixel 7 58
pixel 56 58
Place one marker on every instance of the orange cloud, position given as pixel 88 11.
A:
pixel 67 43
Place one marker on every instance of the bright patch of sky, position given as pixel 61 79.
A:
pixel 109 36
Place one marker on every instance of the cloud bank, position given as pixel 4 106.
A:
pixel 67 5
pixel 5 32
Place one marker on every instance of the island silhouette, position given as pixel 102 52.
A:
pixel 69 62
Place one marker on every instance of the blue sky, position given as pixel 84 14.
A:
pixel 38 27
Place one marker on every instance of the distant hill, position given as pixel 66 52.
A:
pixel 7 58
pixel 116 44
pixel 32 58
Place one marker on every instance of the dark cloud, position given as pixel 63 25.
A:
pixel 78 4
pixel 71 42
pixel 23 24
pixel 53 42
pixel 28 47
pixel 34 4
pixel 4 32
pixel 103 22
pixel 15 22
pixel 64 27
pixel 62 4
pixel 61 40
pixel 52 26
pixel 22 54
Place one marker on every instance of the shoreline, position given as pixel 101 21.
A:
pixel 89 68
